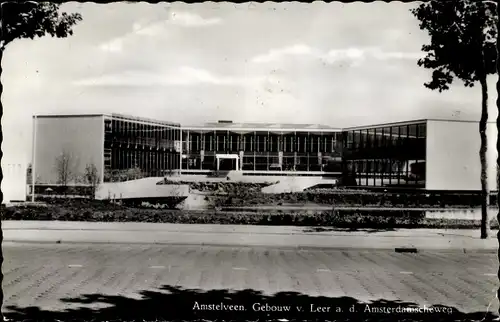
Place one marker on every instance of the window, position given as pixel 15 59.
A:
pixel 422 130
pixel 312 143
pixel 273 143
pixel 413 130
pixel 350 140
pixel 403 131
pixel 395 131
pixel 208 142
pixel 242 142
pixel 247 142
pixel 324 143
pixel 362 140
pixel 202 141
pixel 358 140
pixel 235 144
pixel 368 139
pixel 387 136
pixel 377 138
pixel 107 125
pixel 220 142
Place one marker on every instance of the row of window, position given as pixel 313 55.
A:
pixel 140 133
pixel 385 136
pixel 387 166
pixel 262 143
pixel 160 144
pixel 302 163
pixel 147 160
pixel 385 172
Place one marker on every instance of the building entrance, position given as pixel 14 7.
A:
pixel 227 162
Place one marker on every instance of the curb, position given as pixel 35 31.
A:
pixel 284 247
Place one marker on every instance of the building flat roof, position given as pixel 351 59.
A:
pixel 112 115
pixel 370 126
pixel 67 115
pixel 249 127
pixel 142 119
pixel 410 122
pixel 261 127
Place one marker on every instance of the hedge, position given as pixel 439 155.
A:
pixel 343 198
pixel 354 218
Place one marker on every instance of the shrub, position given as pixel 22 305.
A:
pixel 353 218
pixel 346 198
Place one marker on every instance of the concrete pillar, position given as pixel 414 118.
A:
pixel 218 161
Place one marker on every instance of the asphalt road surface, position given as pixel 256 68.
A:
pixel 43 275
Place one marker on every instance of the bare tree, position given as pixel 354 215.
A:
pixel 93 178
pixel 134 173
pixel 177 197
pixel 64 169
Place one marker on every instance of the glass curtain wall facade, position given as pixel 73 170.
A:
pixel 386 156
pixel 142 145
pixel 263 150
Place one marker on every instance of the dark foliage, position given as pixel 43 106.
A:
pixel 221 187
pixel 352 199
pixel 93 211
pixel 172 303
pixel 463 36
pixel 32 19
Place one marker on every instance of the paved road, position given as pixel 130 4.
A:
pixel 242 235
pixel 44 274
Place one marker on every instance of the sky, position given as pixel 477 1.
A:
pixel 324 63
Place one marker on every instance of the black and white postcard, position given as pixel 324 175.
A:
pixel 249 161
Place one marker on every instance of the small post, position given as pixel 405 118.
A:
pixel 33 161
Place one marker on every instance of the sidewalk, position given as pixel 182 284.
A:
pixel 241 235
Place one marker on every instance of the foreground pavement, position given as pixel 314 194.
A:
pixel 139 278
pixel 240 235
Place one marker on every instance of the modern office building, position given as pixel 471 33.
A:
pixel 427 154
pixel 117 145
pixel 262 149
pixel 431 154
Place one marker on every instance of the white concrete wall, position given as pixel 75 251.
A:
pixel 14 187
pixel 140 188
pixel 453 155
pixel 81 136
pixel 296 184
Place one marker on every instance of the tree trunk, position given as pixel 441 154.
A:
pixel 498 143
pixel 1 231
pixel 485 227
